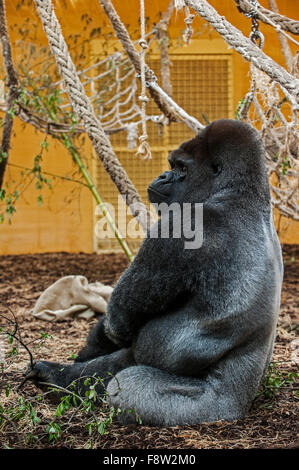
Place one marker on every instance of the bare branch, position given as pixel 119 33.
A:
pixel 13 91
pixel 13 334
pixel 286 50
pixel 163 39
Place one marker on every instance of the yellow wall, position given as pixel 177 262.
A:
pixel 57 225
pixel 64 221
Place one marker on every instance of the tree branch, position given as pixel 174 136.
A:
pixel 286 50
pixel 163 39
pixel 13 91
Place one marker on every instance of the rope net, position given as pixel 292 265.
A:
pixel 113 89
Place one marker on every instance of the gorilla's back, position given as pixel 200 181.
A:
pixel 277 272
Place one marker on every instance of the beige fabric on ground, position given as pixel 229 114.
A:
pixel 72 295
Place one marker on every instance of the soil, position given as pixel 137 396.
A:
pixel 271 422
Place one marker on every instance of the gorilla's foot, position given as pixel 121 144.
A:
pixel 126 416
pixel 62 379
pixel 74 377
pixel 45 374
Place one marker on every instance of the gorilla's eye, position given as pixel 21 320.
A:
pixel 217 168
pixel 181 167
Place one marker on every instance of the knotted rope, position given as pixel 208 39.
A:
pixel 144 149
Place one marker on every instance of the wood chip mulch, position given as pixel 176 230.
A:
pixel 271 423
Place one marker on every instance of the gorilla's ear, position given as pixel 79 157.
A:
pixel 226 133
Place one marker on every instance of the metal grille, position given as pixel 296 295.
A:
pixel 202 85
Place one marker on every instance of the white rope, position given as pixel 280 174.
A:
pixel 280 136
pixel 112 91
pixel 178 4
pixel 132 135
pixel 144 149
pixel 187 35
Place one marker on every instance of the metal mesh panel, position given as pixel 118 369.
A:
pixel 201 85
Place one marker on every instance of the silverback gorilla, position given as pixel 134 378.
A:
pixel 189 333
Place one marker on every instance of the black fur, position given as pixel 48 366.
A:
pixel 194 329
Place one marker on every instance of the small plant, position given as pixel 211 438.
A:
pixel 54 431
pixel 274 382
pixel 83 406
pixel 239 107
pixel 21 412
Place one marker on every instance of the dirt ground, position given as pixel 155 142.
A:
pixel 271 423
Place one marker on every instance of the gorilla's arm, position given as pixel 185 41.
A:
pixel 150 285
pixel 163 274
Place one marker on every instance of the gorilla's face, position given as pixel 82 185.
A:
pixel 192 176
pixel 221 159
pixel 188 180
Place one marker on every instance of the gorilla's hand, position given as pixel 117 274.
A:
pixel 43 373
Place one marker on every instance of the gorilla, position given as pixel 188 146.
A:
pixel 189 333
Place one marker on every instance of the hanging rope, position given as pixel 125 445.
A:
pixel 84 111
pixel 187 35
pixel 279 135
pixel 244 109
pixel 144 149
pixel 13 92
pixel 163 40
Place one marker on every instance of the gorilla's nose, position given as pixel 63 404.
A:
pixel 164 176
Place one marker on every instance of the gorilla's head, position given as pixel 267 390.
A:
pixel 225 160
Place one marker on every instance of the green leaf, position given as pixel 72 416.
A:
pixel 40 200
